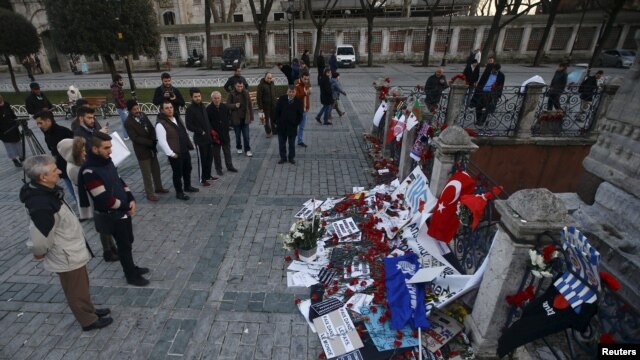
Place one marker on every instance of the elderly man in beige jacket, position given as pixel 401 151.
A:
pixel 56 236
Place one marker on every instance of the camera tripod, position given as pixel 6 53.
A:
pixel 27 136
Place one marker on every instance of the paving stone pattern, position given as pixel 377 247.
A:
pixel 218 279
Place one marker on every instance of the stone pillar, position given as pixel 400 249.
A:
pixel 525 215
pixel 499 43
pixel 456 100
pixel 530 105
pixel 184 52
pixel 453 43
pixel 453 140
pixel 271 45
pixel 408 139
pixel 524 41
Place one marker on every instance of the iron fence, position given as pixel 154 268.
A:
pixel 494 113
pixel 575 117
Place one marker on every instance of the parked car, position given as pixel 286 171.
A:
pixel 232 58
pixel 346 56
pixel 616 57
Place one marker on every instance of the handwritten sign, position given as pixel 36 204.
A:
pixel 337 333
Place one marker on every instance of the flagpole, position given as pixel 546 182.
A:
pixel 419 343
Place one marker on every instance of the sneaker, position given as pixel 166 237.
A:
pixel 191 189
pixel 141 270
pixel 98 324
pixel 214 178
pixel 249 154
pixel 302 144
pixel 239 151
pixel 232 169
pixel 318 120
pixel 204 183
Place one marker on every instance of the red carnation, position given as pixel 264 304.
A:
pixel 548 252
pixel 350 305
pixel 296 253
pixel 606 339
pixel 322 355
pixel 297 301
pixel 397 343
pixel 610 281
pixel 520 298
pixel 374 309
pixel 287 258
pixel 314 297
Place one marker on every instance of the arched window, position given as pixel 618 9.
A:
pixel 169 18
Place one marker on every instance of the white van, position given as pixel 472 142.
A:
pixel 346 55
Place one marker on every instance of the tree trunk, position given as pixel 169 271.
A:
pixel 207 33
pixel 545 34
pixel 223 12
pixel 370 40
pixel 617 6
pixel 110 65
pixel 316 49
pixel 489 44
pixel 13 76
pixel 406 8
pixel 262 43
pixel 214 11
pixel 429 35
pixel 232 9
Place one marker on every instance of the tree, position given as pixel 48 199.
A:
pixel 23 41
pixel 429 32
pixel 552 7
pixel 611 9
pixel 92 28
pixel 370 9
pixel 319 21
pixel 210 9
pixel 260 21
pixel 503 6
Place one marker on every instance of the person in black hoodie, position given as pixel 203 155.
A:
pixel 198 123
pixel 53 134
pixel 556 88
pixel 37 101
pixel 56 237
pixel 320 64
pixel 231 81
pixel 326 98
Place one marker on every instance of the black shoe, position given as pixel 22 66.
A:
pixel 219 172
pixel 232 169
pixel 182 196
pixel 318 120
pixel 191 189
pixel 302 144
pixel 103 312
pixel 98 324
pixel 281 161
pixel 110 256
pixel 141 270
pixel 17 163
pixel 292 161
pixel 138 281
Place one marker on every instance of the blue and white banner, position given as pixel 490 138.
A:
pixel 406 301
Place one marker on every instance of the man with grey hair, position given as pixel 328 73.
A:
pixel 220 120
pixel 56 237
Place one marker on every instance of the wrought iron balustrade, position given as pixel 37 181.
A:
pixel 576 115
pixel 494 113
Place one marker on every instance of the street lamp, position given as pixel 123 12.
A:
pixel 120 16
pixel 291 18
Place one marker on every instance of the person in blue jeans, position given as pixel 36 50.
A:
pixel 326 98
pixel 239 104
pixel 303 92
pixel 121 105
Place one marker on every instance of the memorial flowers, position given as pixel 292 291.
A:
pixel 382 86
pixel 539 267
pixel 303 234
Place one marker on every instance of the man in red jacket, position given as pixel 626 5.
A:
pixel 121 105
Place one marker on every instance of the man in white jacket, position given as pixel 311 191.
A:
pixel 57 238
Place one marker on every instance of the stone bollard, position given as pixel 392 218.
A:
pixel 453 140
pixel 525 215
pixel 530 105
pixel 456 103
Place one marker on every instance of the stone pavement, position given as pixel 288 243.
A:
pixel 218 283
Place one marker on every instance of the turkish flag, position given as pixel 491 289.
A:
pixel 477 203
pixel 444 222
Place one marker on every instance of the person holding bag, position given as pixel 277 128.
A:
pixel 266 98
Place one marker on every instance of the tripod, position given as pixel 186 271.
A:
pixel 27 136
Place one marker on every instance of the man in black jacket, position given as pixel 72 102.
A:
pixel 53 134
pixel 37 101
pixel 488 93
pixel 587 89
pixel 433 89
pixel 326 98
pixel 556 88
pixel 166 92
pixel 320 64
pixel 231 82
pixel 198 123
pixel 220 120
pixel 288 116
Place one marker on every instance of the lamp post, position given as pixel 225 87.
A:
pixel 291 17
pixel 446 47
pixel 122 50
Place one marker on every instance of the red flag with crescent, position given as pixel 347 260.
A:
pixel 444 222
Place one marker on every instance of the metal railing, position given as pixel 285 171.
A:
pixel 576 115
pixel 494 113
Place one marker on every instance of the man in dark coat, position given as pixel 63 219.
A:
pixel 305 58
pixel 53 134
pixel 587 89
pixel 166 92
pixel 143 137
pixel 266 98
pixel 288 116
pixel 37 101
pixel 488 93
pixel 326 98
pixel 9 133
pixel 333 63
pixel 556 88
pixel 231 82
pixel 220 120
pixel 320 64
pixel 433 88
pixel 287 71
pixel 198 123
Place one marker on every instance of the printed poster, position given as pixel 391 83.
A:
pixel 337 333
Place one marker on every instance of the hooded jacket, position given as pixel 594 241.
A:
pixel 65 148
pixel 54 229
